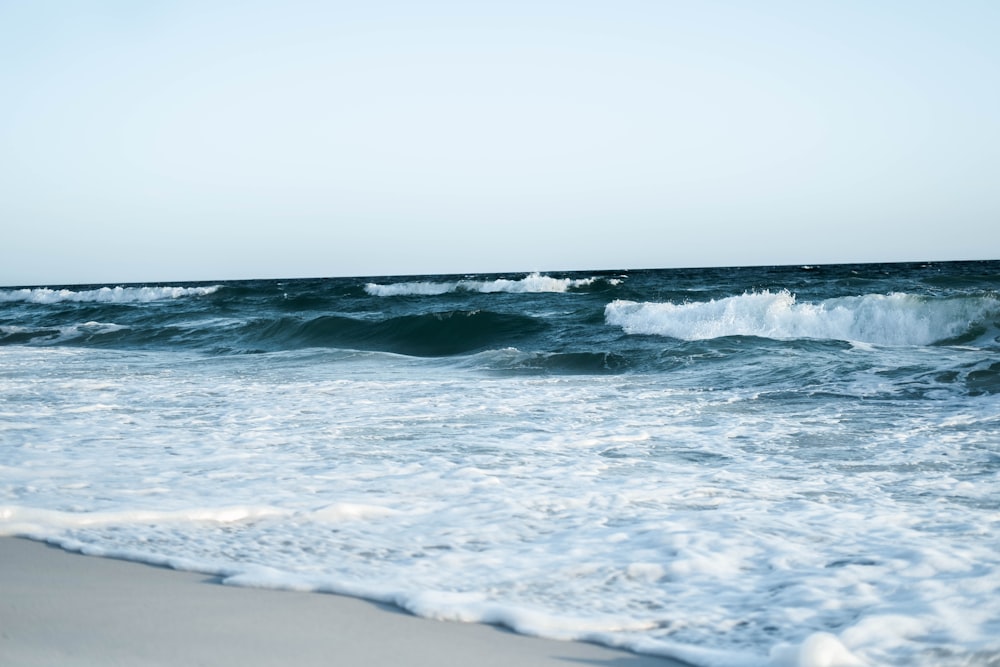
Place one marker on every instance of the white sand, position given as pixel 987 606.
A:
pixel 58 608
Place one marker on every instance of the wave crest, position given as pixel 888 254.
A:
pixel 891 319
pixel 532 283
pixel 45 295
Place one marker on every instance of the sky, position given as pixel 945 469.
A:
pixel 172 141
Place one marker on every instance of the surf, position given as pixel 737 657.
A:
pixel 118 294
pixel 533 283
pixel 897 319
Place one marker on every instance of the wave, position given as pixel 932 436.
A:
pixel 425 335
pixel 434 334
pixel 892 319
pixel 533 283
pixel 87 331
pixel 45 295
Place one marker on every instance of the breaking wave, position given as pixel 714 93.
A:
pixel 532 283
pixel 892 319
pixel 45 295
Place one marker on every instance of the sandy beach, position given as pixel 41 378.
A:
pixel 59 608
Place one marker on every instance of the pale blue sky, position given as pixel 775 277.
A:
pixel 156 141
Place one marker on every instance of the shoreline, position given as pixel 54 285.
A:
pixel 64 608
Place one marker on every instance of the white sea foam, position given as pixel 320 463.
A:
pixel 44 295
pixel 820 649
pixel 893 319
pixel 712 526
pixel 411 288
pixel 534 283
pixel 13 515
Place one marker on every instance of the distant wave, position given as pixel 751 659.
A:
pixel 45 295
pixel 532 283
pixel 892 319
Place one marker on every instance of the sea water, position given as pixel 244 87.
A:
pixel 748 466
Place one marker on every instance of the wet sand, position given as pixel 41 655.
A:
pixel 59 608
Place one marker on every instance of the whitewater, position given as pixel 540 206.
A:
pixel 785 466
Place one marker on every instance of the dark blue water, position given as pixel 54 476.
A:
pixel 667 321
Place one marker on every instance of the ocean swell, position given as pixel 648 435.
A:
pixel 425 335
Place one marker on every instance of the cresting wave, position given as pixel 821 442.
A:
pixel 532 283
pixel 892 319
pixel 45 295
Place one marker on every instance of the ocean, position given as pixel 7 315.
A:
pixel 794 466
